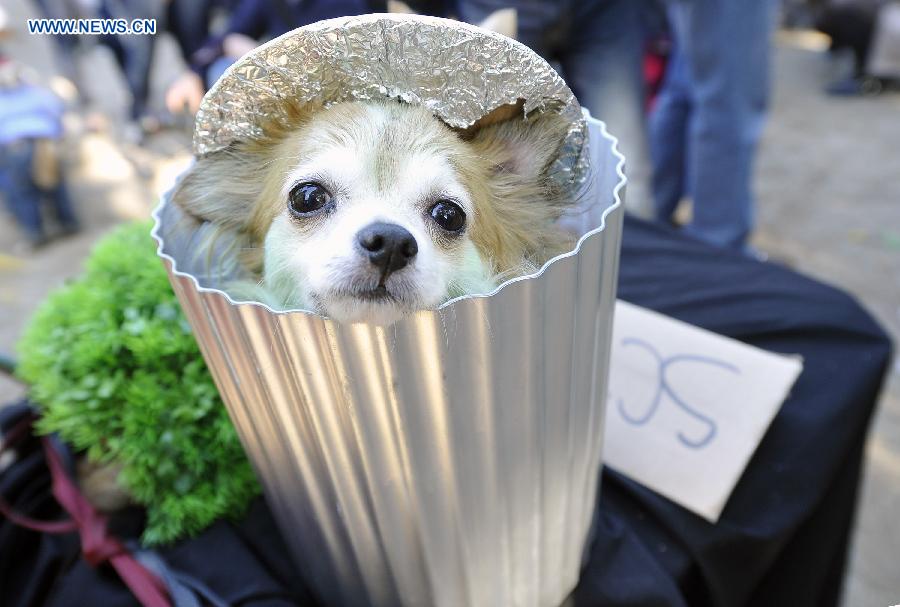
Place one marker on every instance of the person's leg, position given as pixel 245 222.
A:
pixel 188 21
pixel 668 139
pixel 62 207
pixel 849 27
pixel 602 61
pixel 138 57
pixel 134 53
pixel 22 197
pixel 727 48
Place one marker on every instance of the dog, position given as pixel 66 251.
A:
pixel 366 211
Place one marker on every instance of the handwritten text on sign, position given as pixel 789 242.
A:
pixel 687 407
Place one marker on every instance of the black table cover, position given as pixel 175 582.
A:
pixel 781 540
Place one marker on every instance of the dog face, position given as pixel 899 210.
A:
pixel 375 219
pixel 369 211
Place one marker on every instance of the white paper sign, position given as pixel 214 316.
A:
pixel 687 407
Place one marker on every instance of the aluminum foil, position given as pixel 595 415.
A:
pixel 449 460
pixel 460 72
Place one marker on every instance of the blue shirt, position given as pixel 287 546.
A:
pixel 29 112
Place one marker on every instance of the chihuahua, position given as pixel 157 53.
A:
pixel 370 210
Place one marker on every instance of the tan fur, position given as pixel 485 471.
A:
pixel 515 228
pixel 503 163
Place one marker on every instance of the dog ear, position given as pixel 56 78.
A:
pixel 522 147
pixel 220 188
pixel 517 223
pixel 220 191
pixel 229 188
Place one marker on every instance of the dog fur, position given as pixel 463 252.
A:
pixel 385 161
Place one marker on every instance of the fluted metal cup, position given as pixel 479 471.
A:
pixel 450 459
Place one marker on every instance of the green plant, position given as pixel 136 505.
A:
pixel 116 371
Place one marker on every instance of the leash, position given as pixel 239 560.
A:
pixel 98 546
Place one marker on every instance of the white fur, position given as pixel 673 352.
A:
pixel 321 270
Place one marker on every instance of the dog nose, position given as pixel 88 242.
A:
pixel 389 246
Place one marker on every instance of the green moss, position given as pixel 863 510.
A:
pixel 113 364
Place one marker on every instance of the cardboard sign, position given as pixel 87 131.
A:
pixel 687 407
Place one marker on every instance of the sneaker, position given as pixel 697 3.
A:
pixel 855 87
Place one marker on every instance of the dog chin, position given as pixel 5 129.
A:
pixel 377 307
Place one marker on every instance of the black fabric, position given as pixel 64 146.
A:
pixel 782 539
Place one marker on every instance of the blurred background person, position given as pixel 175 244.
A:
pixel 252 22
pixel 64 47
pixel 870 31
pixel 598 47
pixel 30 175
pixel 850 25
pixel 190 22
pixel 134 54
pixel 709 116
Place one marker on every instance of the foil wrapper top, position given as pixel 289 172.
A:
pixel 461 73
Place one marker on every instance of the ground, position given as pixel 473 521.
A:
pixel 828 186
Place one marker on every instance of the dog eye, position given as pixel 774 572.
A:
pixel 308 197
pixel 448 215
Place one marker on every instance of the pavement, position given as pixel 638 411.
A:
pixel 828 188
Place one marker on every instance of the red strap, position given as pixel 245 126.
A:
pixel 97 545
pixel 16 435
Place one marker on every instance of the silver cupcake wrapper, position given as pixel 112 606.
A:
pixel 449 460
pixel 458 71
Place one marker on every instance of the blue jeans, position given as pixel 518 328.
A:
pixel 598 46
pixel 710 113
pixel 216 69
pixel 23 197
